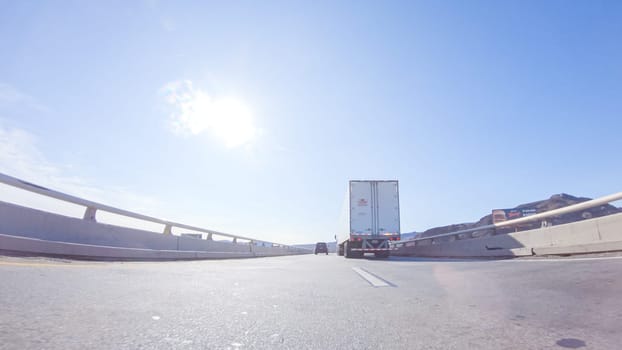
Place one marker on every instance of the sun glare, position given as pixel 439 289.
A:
pixel 225 118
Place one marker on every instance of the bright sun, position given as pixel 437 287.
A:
pixel 226 118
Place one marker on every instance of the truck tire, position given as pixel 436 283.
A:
pixel 349 253
pixel 340 250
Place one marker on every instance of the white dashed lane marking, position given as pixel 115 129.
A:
pixel 373 280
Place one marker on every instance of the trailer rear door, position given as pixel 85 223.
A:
pixel 361 208
pixel 388 212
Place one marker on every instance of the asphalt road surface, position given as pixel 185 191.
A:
pixel 311 302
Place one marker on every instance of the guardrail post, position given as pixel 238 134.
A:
pixel 90 213
pixel 168 230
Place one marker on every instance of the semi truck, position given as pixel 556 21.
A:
pixel 371 219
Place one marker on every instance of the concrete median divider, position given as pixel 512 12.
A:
pixel 34 232
pixel 603 234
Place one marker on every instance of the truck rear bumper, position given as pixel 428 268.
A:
pixel 371 250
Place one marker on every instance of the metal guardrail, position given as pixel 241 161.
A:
pixel 92 208
pixel 544 215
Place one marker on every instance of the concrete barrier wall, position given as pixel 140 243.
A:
pixel 26 230
pixel 33 246
pixel 595 235
pixel 21 221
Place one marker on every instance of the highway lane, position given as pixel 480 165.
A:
pixel 311 302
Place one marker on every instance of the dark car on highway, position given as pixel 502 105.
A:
pixel 320 247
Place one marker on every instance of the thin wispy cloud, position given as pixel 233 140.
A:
pixel 11 96
pixel 196 112
pixel 21 157
pixel 168 24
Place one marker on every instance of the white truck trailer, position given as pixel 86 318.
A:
pixel 372 219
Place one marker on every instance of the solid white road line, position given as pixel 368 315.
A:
pixel 373 280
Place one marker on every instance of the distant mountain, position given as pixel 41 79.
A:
pixel 410 235
pixel 554 202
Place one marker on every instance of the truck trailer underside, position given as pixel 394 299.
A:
pixel 357 249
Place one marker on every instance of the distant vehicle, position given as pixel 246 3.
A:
pixel 321 247
pixel 371 220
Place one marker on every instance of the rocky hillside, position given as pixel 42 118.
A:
pixel 555 202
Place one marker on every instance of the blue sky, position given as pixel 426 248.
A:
pixel 250 117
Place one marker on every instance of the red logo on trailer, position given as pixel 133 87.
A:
pixel 362 202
